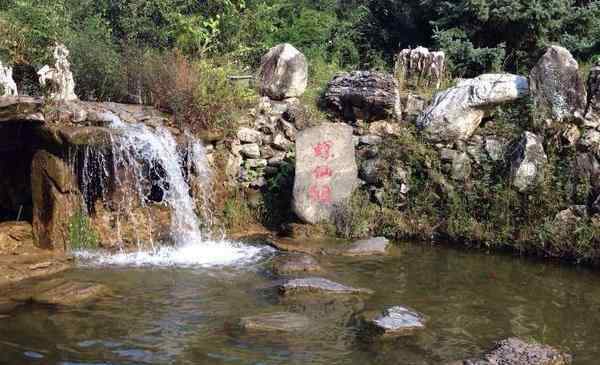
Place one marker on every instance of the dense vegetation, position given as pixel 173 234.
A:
pixel 110 41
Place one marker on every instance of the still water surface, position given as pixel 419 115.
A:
pixel 166 315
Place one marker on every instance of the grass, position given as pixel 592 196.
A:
pixel 81 232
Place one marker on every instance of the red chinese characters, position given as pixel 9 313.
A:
pixel 320 194
pixel 321 172
pixel 323 150
pixel 320 191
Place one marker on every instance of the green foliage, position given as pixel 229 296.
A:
pixel 81 233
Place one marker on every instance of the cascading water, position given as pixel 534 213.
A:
pixel 147 159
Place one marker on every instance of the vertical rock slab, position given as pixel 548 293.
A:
pixel 456 113
pixel 557 89
pixel 420 67
pixel 8 87
pixel 59 79
pixel 529 165
pixel 283 73
pixel 592 114
pixel 55 198
pixel 326 171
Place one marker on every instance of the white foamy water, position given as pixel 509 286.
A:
pixel 195 254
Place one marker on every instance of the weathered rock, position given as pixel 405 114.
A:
pixel 368 247
pixel 276 322
pixel 318 286
pixel 495 148
pixel 461 167
pixel 254 163
pixel 383 128
pixel 55 197
pixel 514 351
pixel 456 113
pixel 14 234
pixel 363 95
pixel 61 293
pixel 571 135
pixel 370 139
pixel 247 135
pixel 374 171
pixel 250 150
pixel 557 89
pixel 591 140
pixel 528 166
pixel 22 108
pixel 8 87
pixel 59 79
pixel 587 169
pixel 412 107
pixel 570 216
pixel 592 113
pixel 395 322
pixel 326 171
pixel 283 72
pixel 294 263
pixel 280 142
pixel 420 68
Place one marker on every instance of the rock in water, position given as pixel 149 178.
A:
pixel 8 87
pixel 318 286
pixel 59 79
pixel 276 322
pixel 420 67
pixel 398 321
pixel 294 263
pixel 455 114
pixel 592 114
pixel 557 89
pixel 371 246
pixel 529 164
pixel 364 95
pixel 283 72
pixel 514 351
pixel 326 171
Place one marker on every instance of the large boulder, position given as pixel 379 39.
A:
pixel 22 108
pixel 557 89
pixel 528 166
pixel 421 68
pixel 326 171
pixel 8 87
pixel 592 114
pixel 456 113
pixel 364 95
pixel 283 73
pixel 55 198
pixel 59 78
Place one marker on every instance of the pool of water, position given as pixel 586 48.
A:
pixel 190 315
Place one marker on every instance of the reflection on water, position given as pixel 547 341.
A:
pixel 190 315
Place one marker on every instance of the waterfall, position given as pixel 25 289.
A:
pixel 148 162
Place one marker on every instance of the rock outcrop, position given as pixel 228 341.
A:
pixel 283 73
pixel 420 68
pixel 24 109
pixel 455 114
pixel 529 163
pixel 8 87
pixel 592 114
pixel 363 95
pixel 515 351
pixel 557 89
pixel 59 78
pixel 326 171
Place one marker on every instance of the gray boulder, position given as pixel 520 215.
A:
pixel 592 114
pixel 363 95
pixel 557 89
pixel 326 171
pixel 529 164
pixel 514 351
pixel 456 113
pixel 368 247
pixel 283 72
pixel 397 321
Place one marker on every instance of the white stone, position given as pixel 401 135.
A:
pixel 59 78
pixel 7 83
pixel 248 135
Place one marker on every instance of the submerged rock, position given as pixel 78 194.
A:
pixel 326 171
pixel 367 247
pixel 317 285
pixel 456 113
pixel 276 322
pixel 294 263
pixel 557 89
pixel 364 95
pixel 528 167
pixel 514 351
pixel 283 72
pixel 397 321
pixel 59 292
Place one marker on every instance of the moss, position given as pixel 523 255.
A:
pixel 82 234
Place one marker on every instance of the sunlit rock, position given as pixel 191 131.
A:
pixel 8 87
pixel 283 73
pixel 420 67
pixel 59 78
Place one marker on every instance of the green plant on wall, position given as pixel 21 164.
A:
pixel 81 233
